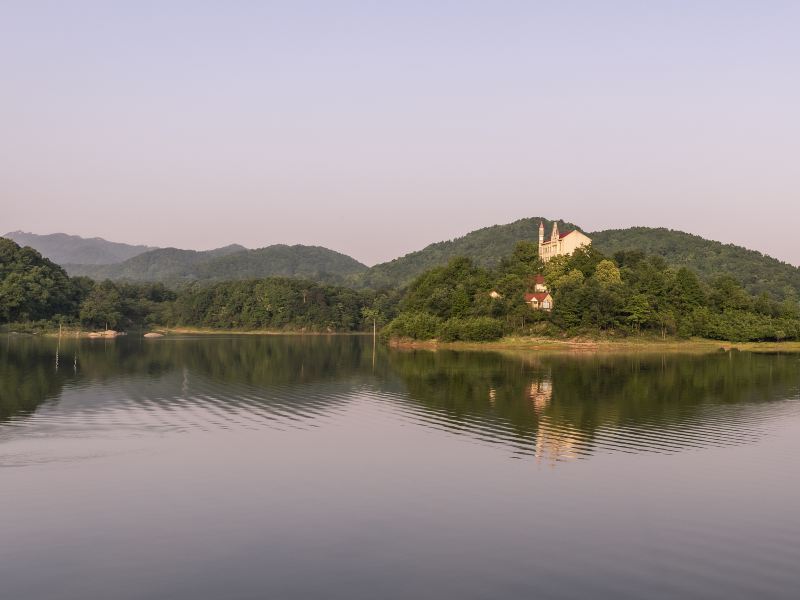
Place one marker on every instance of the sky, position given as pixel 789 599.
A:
pixel 375 128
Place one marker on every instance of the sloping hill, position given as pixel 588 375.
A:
pixel 63 249
pixel 485 246
pixel 164 264
pixel 756 271
pixel 308 262
pixel 171 265
pixel 31 287
pixel 225 250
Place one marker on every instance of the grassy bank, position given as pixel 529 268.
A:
pixel 583 344
pixel 521 343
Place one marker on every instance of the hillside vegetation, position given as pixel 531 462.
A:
pixel 754 270
pixel 485 247
pixel 63 249
pixel 593 295
pixel 32 287
pixel 173 266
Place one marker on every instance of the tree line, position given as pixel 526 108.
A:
pixel 36 292
pixel 627 294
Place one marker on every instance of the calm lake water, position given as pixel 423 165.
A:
pixel 307 467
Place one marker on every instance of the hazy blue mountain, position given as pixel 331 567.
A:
pixel 62 248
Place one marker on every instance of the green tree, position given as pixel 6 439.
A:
pixel 32 287
pixel 607 273
pixel 102 307
pixel 638 311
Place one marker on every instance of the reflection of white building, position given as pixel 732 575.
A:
pixel 540 394
pixel 556 443
pixel 553 443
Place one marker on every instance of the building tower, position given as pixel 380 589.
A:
pixel 560 244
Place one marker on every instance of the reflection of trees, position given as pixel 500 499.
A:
pixel 552 405
pixel 28 377
pixel 28 374
pixel 595 390
pixel 555 404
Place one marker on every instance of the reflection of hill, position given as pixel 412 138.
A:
pixel 565 405
pixel 27 378
pixel 222 370
pixel 250 360
pixel 552 406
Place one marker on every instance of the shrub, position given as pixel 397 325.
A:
pixel 472 329
pixel 415 325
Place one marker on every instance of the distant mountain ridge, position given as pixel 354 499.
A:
pixel 62 248
pixel 173 266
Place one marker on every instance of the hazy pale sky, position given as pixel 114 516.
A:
pixel 374 128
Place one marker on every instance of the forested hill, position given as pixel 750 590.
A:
pixel 757 272
pixel 485 246
pixel 174 266
pixel 63 249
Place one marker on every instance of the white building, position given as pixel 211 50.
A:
pixel 560 244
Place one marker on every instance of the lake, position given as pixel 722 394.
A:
pixel 318 467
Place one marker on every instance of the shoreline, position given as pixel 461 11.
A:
pixel 174 331
pixel 209 331
pixel 533 343
pixel 584 345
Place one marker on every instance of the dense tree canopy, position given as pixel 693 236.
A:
pixel 755 271
pixel 277 304
pixel 32 287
